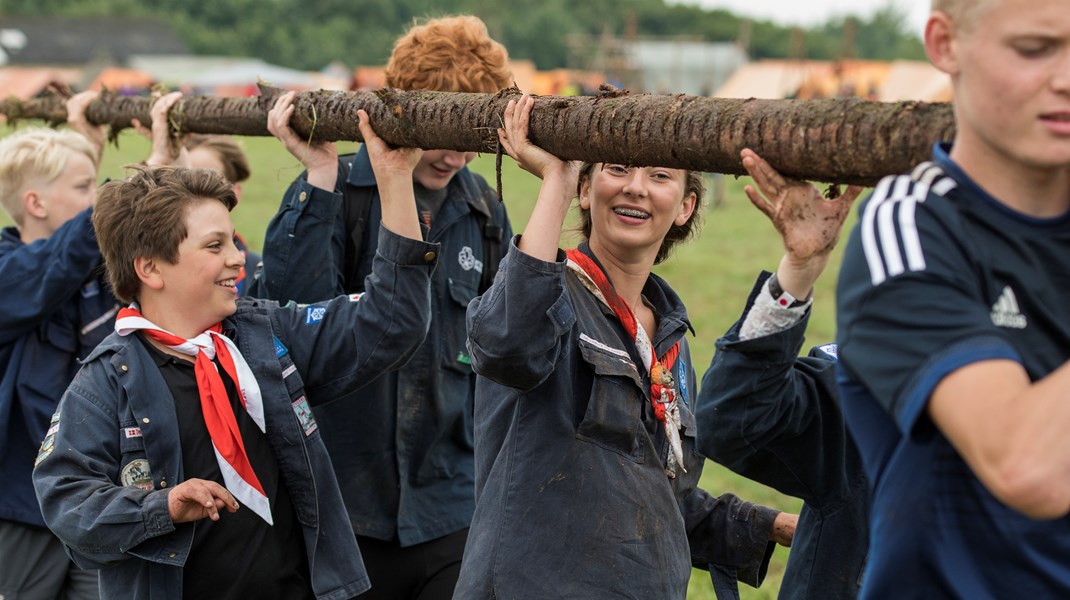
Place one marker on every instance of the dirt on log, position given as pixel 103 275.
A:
pixel 843 140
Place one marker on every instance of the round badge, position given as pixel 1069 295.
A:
pixel 137 474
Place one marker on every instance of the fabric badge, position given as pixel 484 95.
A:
pixel 356 297
pixel 314 314
pixel 137 474
pixel 132 432
pixel 304 416
pixel 49 443
pixel 682 378
pixel 280 349
pixel 463 358
pixel 468 260
pixel 829 349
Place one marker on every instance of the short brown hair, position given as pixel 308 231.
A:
pixel 144 216
pixel 449 54
pixel 35 155
pixel 676 234
pixel 229 152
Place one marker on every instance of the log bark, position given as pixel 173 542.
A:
pixel 844 140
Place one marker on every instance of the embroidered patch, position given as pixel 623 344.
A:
pixel 356 297
pixel 682 378
pixel 314 314
pixel 290 370
pixel 49 443
pixel 137 474
pixel 829 349
pixel 132 432
pixel 469 261
pixel 463 358
pixel 304 415
pixel 280 350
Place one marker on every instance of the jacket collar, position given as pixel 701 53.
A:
pixel 462 185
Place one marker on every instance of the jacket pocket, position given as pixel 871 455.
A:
pixel 614 410
pixel 455 343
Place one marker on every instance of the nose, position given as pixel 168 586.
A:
pixel 235 257
pixel 1060 79
pixel 453 159
pixel 635 182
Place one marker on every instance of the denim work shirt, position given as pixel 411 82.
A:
pixel 117 420
pixel 775 418
pixel 404 460
pixel 572 496
pixel 56 307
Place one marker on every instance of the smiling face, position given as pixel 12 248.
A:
pixel 198 290
pixel 1010 68
pixel 633 208
pixel 437 167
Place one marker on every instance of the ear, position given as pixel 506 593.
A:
pixel 237 191
pixel 585 194
pixel 687 208
pixel 34 204
pixel 941 44
pixel 148 271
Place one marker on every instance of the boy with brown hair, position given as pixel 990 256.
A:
pixel 406 461
pixel 200 400
pixel 954 332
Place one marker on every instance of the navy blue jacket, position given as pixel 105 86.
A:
pixel 775 418
pixel 573 500
pixel 55 308
pixel 118 410
pixel 405 461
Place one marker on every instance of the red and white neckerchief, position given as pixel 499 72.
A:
pixel 662 390
pixel 238 475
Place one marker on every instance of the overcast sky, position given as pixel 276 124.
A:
pixel 812 12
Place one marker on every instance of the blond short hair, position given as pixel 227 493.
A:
pixel 964 13
pixel 449 54
pixel 35 156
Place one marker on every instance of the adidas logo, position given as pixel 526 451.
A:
pixel 1005 312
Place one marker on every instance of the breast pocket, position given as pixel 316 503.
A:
pixel 614 410
pixel 134 468
pixel 455 342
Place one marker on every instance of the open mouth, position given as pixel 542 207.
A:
pixel 632 212
pixel 228 283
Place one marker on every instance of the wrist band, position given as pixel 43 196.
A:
pixel 783 298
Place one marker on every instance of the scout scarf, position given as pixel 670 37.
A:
pixel 662 392
pixel 238 475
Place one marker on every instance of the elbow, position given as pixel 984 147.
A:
pixel 1031 487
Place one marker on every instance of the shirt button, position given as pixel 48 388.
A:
pixel 171 555
pixel 302 197
pixel 163 483
pixel 124 368
pixel 430 256
pixel 145 420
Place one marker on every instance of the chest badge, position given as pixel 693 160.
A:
pixel 137 474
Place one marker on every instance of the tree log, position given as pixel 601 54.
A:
pixel 844 140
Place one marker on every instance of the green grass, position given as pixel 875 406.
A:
pixel 713 274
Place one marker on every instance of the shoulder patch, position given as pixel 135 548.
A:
pixel 682 378
pixel 48 445
pixel 304 416
pixel 314 314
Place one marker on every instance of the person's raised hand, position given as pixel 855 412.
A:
pixel 196 499
pixel 319 158
pixel 514 139
pixel 387 161
pixel 76 107
pixel 167 150
pixel 809 224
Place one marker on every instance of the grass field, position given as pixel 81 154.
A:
pixel 713 275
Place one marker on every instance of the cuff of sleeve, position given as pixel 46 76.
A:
pixel 157 516
pixel 765 316
pixel 316 202
pixel 760 549
pixel 407 251
pixel 516 256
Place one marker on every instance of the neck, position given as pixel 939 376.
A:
pixel 628 273
pixel 31 231
pixel 171 318
pixel 1035 190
